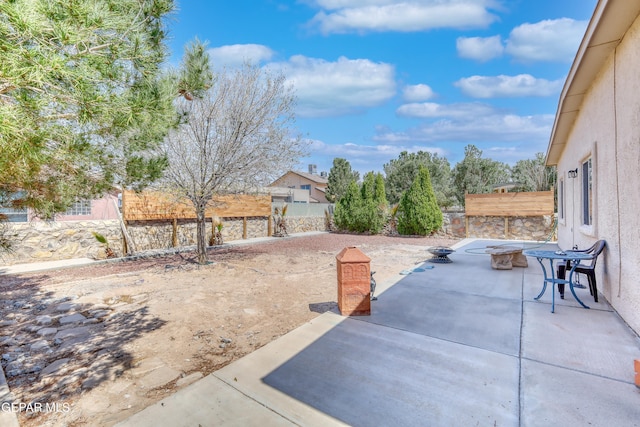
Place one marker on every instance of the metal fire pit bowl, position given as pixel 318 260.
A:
pixel 440 254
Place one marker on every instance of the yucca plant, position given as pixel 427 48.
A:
pixel 279 221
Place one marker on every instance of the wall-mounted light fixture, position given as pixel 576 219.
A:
pixel 573 173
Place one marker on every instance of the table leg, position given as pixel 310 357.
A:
pixel 573 267
pixel 553 290
pixel 544 286
pixel 546 279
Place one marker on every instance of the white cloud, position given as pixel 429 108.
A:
pixel 419 92
pixel 521 85
pixel 363 157
pixel 470 123
pixel 432 110
pixel 237 54
pixel 345 86
pixel 480 48
pixel 343 16
pixel 549 40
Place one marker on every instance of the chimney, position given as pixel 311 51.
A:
pixel 313 169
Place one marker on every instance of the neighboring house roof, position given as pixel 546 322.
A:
pixel 609 23
pixel 311 177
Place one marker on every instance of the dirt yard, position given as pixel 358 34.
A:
pixel 98 344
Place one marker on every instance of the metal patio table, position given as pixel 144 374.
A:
pixel 552 256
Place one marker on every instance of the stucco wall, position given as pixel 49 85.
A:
pixel 608 129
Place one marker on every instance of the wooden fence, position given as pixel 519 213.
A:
pixel 149 205
pixel 508 205
pixel 534 203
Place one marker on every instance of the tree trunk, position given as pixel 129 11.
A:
pixel 201 235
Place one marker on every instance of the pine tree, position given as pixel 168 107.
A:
pixel 346 208
pixel 418 211
pixel 82 101
pixel 339 179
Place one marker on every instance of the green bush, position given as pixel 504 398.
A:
pixel 362 209
pixel 418 212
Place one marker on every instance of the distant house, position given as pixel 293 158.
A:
pixel 300 187
pixel 595 144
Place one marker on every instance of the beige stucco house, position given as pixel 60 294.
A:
pixel 312 183
pixel 595 144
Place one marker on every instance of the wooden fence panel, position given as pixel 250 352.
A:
pixel 534 203
pixel 160 206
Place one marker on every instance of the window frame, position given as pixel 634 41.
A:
pixel 588 199
pixel 562 208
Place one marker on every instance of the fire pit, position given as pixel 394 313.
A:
pixel 440 254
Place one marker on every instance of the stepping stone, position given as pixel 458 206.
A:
pixel 74 318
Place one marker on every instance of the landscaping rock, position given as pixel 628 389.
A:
pixel 45 332
pixel 81 331
pixel 66 306
pixel 44 320
pixel 56 366
pixel 74 318
pixel 39 346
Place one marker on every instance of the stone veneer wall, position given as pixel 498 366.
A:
pixel 453 225
pixel 303 224
pixel 517 228
pixel 149 235
pixel 46 241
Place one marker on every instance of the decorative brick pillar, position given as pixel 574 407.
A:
pixel 354 282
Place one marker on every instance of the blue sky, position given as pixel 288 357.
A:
pixel 374 78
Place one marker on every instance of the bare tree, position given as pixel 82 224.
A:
pixel 236 138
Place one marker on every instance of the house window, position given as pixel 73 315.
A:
pixel 80 207
pixel 587 193
pixel 561 199
pixel 11 213
pixel 306 187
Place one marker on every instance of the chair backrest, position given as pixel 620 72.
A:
pixel 596 250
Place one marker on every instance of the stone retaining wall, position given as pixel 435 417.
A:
pixel 453 225
pixel 303 224
pixel 46 241
pixel 513 228
pixel 149 235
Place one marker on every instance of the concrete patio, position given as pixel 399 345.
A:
pixel 459 344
